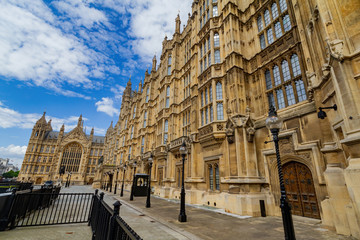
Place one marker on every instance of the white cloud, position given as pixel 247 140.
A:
pixel 81 13
pixel 35 50
pixel 106 105
pixel 118 91
pixel 14 153
pixel 151 20
pixel 10 118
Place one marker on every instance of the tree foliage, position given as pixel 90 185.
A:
pixel 10 174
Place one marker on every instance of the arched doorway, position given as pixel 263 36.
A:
pixel 300 190
pixel 38 181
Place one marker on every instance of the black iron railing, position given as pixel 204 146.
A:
pixel 106 224
pixel 49 207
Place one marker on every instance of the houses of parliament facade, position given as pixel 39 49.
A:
pixel 212 90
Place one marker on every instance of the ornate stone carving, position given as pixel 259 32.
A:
pixel 286 146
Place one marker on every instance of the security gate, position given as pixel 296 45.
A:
pixel 300 190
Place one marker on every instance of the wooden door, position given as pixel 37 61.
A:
pixel 300 190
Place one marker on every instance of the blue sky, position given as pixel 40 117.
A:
pixel 73 57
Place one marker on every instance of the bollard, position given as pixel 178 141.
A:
pixel 262 208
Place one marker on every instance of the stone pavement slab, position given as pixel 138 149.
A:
pixel 210 223
pixel 51 232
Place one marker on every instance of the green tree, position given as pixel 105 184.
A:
pixel 10 174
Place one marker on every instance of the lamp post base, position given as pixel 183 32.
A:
pixel 182 218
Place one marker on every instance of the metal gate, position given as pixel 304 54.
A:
pixel 300 190
pixel 35 209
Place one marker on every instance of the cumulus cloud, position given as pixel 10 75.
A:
pixel 10 118
pixel 118 91
pixel 14 153
pixel 35 50
pixel 106 105
pixel 151 20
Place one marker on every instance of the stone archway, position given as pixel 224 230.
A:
pixel 300 189
pixel 38 180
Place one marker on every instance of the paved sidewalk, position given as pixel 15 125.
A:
pixel 210 223
pixel 160 223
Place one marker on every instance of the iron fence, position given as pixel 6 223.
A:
pixel 106 224
pixel 49 208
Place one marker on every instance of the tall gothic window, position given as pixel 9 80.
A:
pixel 166 129
pixel 71 157
pixel 147 94
pixel 213 176
pixel 169 65
pixel 219 95
pixel 267 17
pixel 145 117
pixel 167 100
pixel 132 132
pixel 215 11
pixel 142 144
pixel 274 11
pixel 216 40
pixel 260 23
pixel 134 113
pixel 283 5
pixel 288 87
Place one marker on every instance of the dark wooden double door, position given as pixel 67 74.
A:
pixel 300 190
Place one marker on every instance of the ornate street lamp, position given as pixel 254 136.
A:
pixel 274 124
pixel 182 215
pixel 133 183
pixel 122 185
pixel 116 179
pixel 150 160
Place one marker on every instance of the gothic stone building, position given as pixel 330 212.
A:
pixel 49 150
pixel 213 88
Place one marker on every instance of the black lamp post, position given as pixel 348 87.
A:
pixel 69 180
pixel 116 179
pixel 122 185
pixel 274 124
pixel 133 183
pixel 182 215
pixel 150 160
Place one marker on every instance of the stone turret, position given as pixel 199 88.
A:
pixel 153 64
pixel 177 24
pixel 80 122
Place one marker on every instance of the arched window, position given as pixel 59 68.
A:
pixel 123 143
pixel 216 40
pixel 268 79
pixel 217 56
pixel 219 94
pixel 276 74
pixel 274 11
pixel 71 157
pixel 166 129
pixel 134 113
pixel 285 70
pixel 286 23
pixel 260 23
pixel 295 65
pixel 145 117
pixel 167 100
pixel 283 5
pixel 267 17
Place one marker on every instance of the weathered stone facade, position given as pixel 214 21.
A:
pixel 212 89
pixel 49 150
